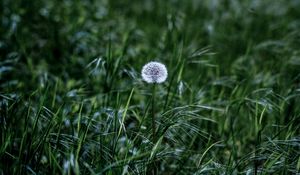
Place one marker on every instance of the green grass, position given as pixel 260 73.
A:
pixel 73 101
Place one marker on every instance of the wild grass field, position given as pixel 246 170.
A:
pixel 73 100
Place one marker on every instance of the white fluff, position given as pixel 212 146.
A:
pixel 154 72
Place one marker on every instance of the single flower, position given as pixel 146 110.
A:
pixel 154 72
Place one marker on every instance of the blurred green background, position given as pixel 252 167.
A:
pixel 73 101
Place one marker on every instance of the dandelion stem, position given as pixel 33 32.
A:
pixel 153 112
pixel 154 170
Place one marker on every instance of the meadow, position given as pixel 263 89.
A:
pixel 73 100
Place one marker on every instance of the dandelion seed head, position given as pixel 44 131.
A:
pixel 154 72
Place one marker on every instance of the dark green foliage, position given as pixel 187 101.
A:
pixel 72 100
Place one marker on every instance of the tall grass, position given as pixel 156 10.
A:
pixel 73 101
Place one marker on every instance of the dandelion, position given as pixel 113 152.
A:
pixel 154 72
